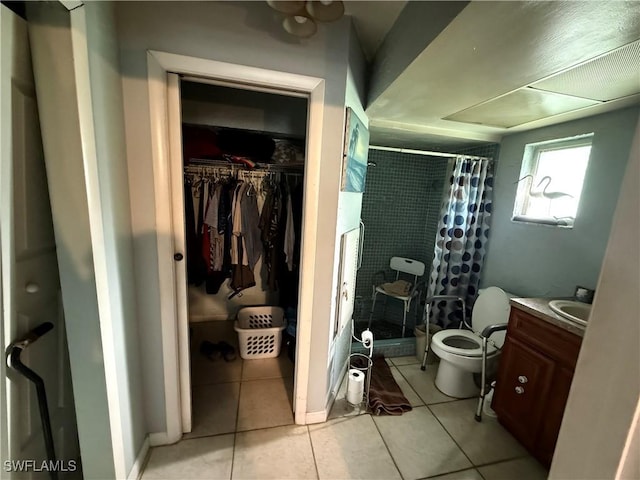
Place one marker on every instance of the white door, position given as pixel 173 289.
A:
pixel 30 280
pixel 174 106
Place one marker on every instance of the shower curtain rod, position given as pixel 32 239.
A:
pixel 426 152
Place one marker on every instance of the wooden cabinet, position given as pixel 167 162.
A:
pixel 534 377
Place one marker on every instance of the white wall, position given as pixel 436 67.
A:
pixel 247 33
pixel 606 385
pixel 80 105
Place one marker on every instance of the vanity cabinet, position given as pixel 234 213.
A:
pixel 534 377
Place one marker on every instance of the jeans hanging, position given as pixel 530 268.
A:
pixel 461 241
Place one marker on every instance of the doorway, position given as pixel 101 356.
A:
pixel 243 177
pixel 168 176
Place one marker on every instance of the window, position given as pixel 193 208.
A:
pixel 550 181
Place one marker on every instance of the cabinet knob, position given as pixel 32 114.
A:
pixel 178 257
pixel 523 379
pixel 32 287
pixel 519 390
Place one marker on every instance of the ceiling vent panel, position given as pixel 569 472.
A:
pixel 518 107
pixel 610 76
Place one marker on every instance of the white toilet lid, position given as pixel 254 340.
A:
pixel 491 308
pixel 460 342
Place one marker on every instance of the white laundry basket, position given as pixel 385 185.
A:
pixel 260 331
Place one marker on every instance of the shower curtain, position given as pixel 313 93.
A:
pixel 461 241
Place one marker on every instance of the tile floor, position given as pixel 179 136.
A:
pixel 238 435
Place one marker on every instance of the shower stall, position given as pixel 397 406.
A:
pixel 401 209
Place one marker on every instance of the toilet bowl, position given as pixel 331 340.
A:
pixel 460 350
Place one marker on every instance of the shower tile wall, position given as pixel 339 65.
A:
pixel 400 210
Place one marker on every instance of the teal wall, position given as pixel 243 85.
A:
pixel 400 209
pixel 543 261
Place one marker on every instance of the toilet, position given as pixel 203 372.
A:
pixel 460 350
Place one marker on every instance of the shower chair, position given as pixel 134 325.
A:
pixel 406 267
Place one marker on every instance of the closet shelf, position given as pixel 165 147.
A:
pixel 276 167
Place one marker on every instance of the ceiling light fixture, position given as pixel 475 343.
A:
pixel 302 16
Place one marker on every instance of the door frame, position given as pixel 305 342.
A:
pixel 174 320
pixel 6 219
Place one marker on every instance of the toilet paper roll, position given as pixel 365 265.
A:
pixel 367 338
pixel 355 387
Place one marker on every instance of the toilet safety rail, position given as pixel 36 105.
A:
pixel 485 334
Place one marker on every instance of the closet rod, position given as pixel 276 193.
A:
pixel 197 168
pixel 273 167
pixel 429 153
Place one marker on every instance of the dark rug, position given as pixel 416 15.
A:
pixel 385 396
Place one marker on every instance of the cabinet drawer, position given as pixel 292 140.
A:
pixel 558 344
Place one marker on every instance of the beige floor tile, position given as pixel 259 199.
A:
pixel 419 445
pixel 206 372
pixel 274 453
pixel 483 442
pixel 409 360
pixel 260 369
pixel 351 448
pixel 201 458
pixel 203 370
pixel 215 408
pixel 471 474
pixel 409 393
pixel 423 383
pixel 214 332
pixel 265 403
pixel 527 468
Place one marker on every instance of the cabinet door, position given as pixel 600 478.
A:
pixel 524 379
pixel 554 411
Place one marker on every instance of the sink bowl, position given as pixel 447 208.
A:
pixel 575 311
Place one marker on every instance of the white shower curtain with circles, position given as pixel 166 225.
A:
pixel 461 241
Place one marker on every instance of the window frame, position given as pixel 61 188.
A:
pixel 529 166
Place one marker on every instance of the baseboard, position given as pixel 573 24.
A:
pixel 159 438
pixel 316 417
pixel 141 458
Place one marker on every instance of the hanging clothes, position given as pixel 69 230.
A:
pixel 227 233
pixel 289 234
pixel 269 228
pixel 221 234
pixel 216 241
pixel 250 228
pixel 196 266
pixel 241 275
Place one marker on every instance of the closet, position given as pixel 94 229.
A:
pixel 243 175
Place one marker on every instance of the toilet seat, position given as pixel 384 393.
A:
pixel 441 337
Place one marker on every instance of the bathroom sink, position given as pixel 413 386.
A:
pixel 577 312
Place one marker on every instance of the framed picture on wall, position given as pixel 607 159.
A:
pixel 355 152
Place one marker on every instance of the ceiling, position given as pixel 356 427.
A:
pixel 503 67
pixel 372 21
